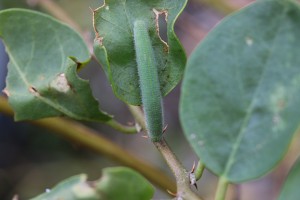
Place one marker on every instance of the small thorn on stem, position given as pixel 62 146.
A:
pixel 193 176
pixel 5 91
pixel 138 127
pixel 165 129
pixel 145 136
pixel 178 196
pixel 193 168
pixel 171 193
pixel 196 186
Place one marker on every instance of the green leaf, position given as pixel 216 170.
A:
pixel 44 56
pixel 240 96
pixel 114 44
pixel 290 190
pixel 74 188
pixel 118 183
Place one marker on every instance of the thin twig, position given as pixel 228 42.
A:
pixel 84 136
pixel 120 127
pixel 138 115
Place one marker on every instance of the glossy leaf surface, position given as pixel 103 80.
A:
pixel 241 91
pixel 118 183
pixel 114 44
pixel 42 80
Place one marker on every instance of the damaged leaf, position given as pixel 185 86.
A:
pixel 44 56
pixel 114 44
pixel 118 183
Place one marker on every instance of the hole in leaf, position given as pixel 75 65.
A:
pixel 162 25
pixel 161 17
pixel 60 83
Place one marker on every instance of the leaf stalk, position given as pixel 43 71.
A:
pixel 120 127
pixel 221 189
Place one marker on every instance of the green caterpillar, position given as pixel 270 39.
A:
pixel 149 82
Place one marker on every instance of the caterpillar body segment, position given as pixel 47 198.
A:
pixel 149 81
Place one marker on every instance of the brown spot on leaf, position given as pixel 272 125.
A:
pixel 34 91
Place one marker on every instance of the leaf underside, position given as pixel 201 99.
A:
pixel 240 96
pixel 114 44
pixel 44 56
pixel 118 183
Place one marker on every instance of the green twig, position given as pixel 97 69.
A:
pixel 199 170
pixel 221 189
pixel 138 116
pixel 120 127
pixel 84 136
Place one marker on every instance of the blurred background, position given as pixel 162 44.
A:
pixel 33 159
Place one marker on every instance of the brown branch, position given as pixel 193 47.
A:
pixel 181 175
pixel 86 137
